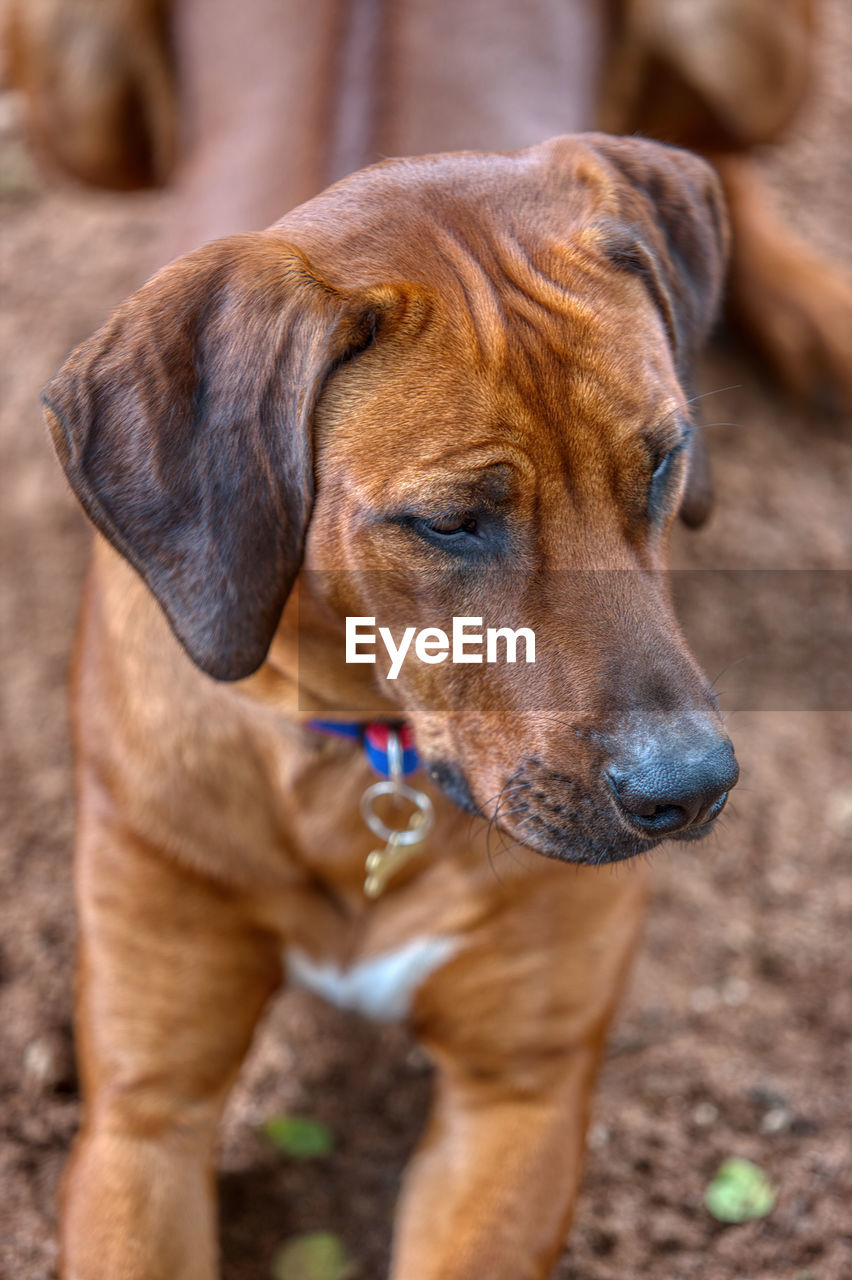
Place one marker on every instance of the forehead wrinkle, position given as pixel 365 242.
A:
pixel 617 366
pixel 575 408
pixel 501 282
pixel 617 406
pixel 565 278
pixel 483 315
pixel 564 336
pixel 540 285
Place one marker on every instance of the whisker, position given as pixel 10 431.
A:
pixel 728 667
pixel 509 787
pixel 678 408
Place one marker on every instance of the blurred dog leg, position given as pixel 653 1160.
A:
pixel 723 77
pixel 97 77
pixel 258 87
pixel 793 303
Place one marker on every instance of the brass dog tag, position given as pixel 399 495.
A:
pixel 381 864
pixel 402 844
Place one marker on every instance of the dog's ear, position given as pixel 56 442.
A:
pixel 671 229
pixel 184 427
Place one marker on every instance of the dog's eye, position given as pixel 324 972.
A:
pixel 661 480
pixel 454 525
pixel 664 466
pixel 463 534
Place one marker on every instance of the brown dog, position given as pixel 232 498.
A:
pixel 447 386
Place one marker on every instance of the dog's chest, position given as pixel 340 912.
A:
pixel 381 987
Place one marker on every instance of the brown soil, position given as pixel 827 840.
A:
pixel 735 1036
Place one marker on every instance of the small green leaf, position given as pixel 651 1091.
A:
pixel 739 1192
pixel 319 1255
pixel 299 1136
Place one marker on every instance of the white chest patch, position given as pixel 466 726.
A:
pixel 381 987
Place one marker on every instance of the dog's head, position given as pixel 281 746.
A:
pixel 448 387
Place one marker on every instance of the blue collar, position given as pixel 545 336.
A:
pixel 374 737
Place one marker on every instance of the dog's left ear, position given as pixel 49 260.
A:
pixel 672 230
pixel 185 429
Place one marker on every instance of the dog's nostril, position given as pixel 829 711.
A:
pixel 643 807
pixel 656 819
pixel 664 812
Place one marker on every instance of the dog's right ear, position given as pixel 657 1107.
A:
pixel 184 427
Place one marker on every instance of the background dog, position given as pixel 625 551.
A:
pixel 254 112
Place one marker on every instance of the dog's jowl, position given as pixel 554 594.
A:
pixel 448 388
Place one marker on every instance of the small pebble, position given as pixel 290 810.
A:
pixel 768 1097
pixel 776 1120
pixel 49 1063
pixel 705 1114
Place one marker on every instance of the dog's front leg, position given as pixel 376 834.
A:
pixel 516 1024
pixel 172 978
pixel 491 1189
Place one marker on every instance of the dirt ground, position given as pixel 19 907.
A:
pixel 735 1036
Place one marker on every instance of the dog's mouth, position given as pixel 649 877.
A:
pixel 569 823
pixel 699 832
pixel 594 845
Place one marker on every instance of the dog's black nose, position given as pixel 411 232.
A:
pixel 670 792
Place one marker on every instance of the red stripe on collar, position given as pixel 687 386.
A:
pixel 374 736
